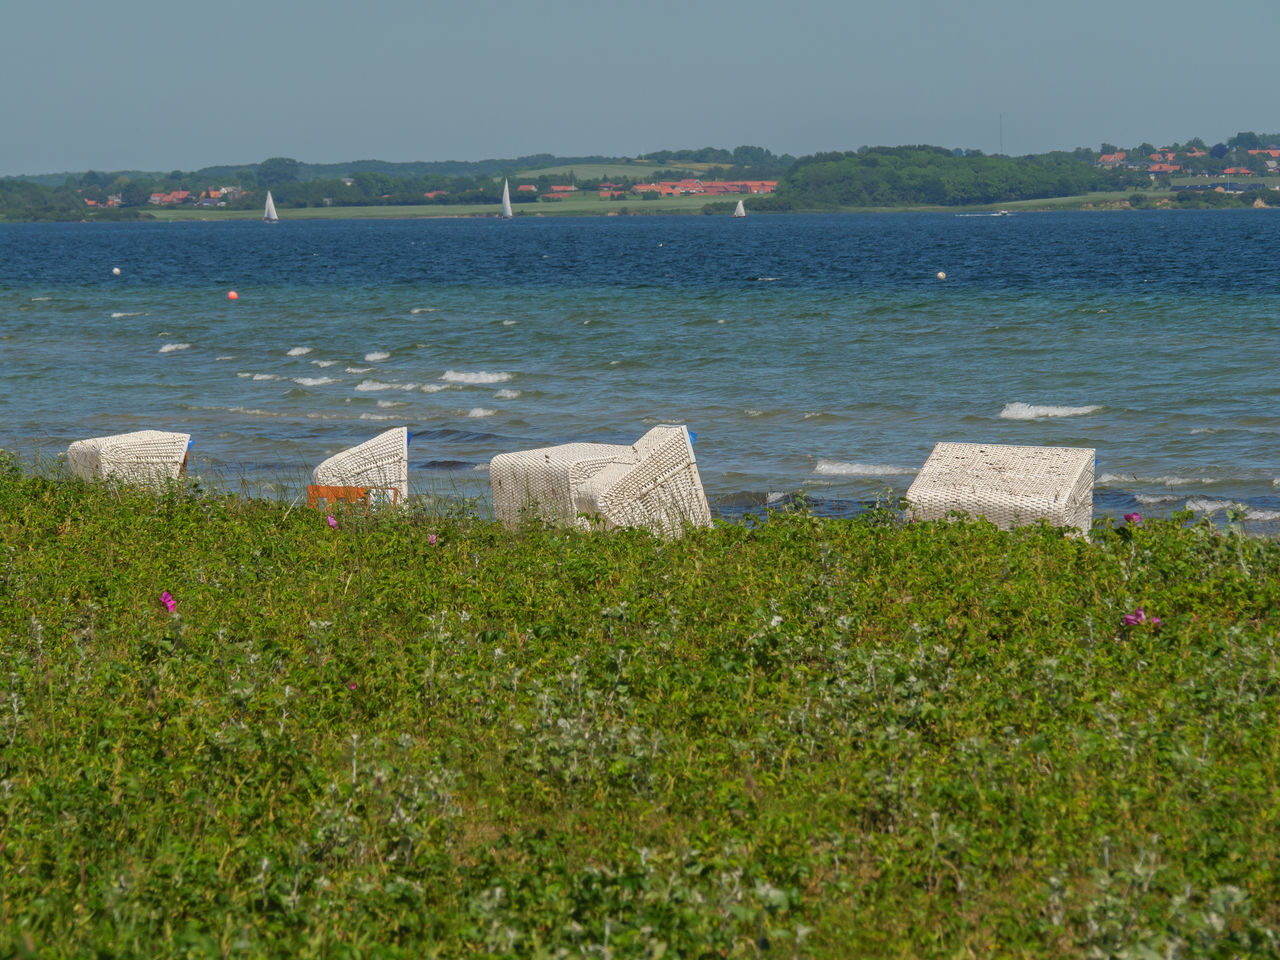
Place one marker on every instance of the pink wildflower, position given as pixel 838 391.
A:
pixel 1134 518
pixel 170 604
pixel 332 522
pixel 431 539
pixel 1140 616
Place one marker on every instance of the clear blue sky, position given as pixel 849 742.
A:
pixel 144 84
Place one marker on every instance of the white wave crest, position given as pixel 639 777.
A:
pixel 1202 505
pixel 479 376
pixel 481 412
pixel 434 387
pixel 120 313
pixel 1110 479
pixel 314 381
pixel 1153 498
pixel 40 299
pixel 1028 411
pixel 1212 506
pixel 324 363
pixel 227 357
pixel 391 403
pixel 267 376
pixel 250 411
pixel 424 309
pixel 172 347
pixel 298 352
pixel 359 369
pixel 509 323
pixel 376 416
pixel 372 386
pixel 506 394
pixel 375 356
pixel 835 468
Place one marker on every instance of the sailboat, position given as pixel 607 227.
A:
pixel 506 200
pixel 739 210
pixel 269 214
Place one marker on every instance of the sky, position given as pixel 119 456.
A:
pixel 158 86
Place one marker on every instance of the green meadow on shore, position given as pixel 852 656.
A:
pixel 593 205
pixel 590 205
pixel 421 734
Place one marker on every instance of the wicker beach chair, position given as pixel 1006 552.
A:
pixel 376 471
pixel 1008 485
pixel 652 484
pixel 144 456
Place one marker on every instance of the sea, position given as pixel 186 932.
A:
pixel 815 357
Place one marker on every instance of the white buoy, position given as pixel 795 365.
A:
pixel 115 271
pixel 941 275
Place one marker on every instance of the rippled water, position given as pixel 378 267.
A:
pixel 808 353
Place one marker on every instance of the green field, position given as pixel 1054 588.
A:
pixel 588 204
pixel 638 170
pixel 419 734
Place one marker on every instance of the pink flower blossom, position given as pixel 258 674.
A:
pixel 1134 518
pixel 431 539
pixel 332 522
pixel 1140 616
pixel 170 604
pixel 351 686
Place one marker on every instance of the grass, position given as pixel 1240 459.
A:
pixel 801 737
pixel 588 205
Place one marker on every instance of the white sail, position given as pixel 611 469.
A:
pixel 269 214
pixel 506 200
pixel 739 210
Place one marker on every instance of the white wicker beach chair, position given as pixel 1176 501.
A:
pixel 378 468
pixel 1008 485
pixel 652 484
pixel 144 456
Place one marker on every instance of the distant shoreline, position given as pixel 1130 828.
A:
pixel 673 206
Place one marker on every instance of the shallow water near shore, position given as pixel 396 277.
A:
pixel 810 354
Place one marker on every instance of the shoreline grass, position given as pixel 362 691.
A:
pixel 422 734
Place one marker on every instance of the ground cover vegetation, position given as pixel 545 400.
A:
pixel 232 727
pixel 868 178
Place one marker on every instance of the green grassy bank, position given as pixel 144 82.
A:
pixel 577 206
pixel 422 734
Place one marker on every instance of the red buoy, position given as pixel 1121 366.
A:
pixel 233 295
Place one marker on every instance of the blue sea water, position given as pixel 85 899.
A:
pixel 814 354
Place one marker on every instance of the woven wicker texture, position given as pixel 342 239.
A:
pixel 380 462
pixel 144 456
pixel 652 484
pixel 1008 485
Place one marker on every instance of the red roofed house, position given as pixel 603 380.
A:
pixel 1238 172
pixel 1111 159
pixel 1164 168
pixel 1269 151
pixel 526 188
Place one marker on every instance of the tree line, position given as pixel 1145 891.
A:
pixel 868 177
